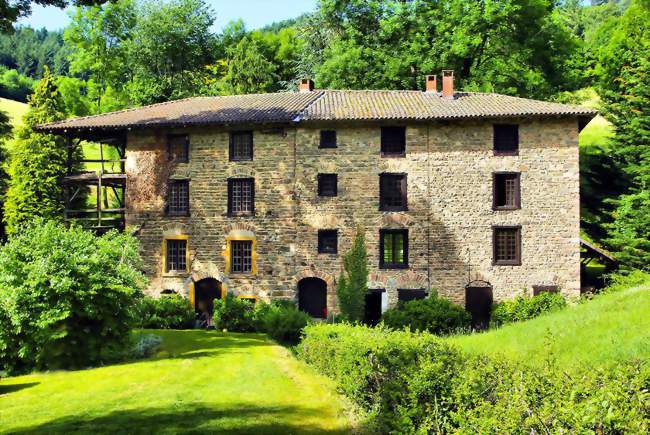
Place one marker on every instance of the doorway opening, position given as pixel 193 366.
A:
pixel 373 306
pixel 478 302
pixel 312 297
pixel 205 293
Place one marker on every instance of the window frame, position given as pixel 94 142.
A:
pixel 383 145
pixel 495 179
pixel 405 290
pixel 183 213
pixel 231 182
pixel 321 243
pixel 320 179
pixel 186 147
pixel 232 243
pixel 551 288
pixel 322 144
pixel 495 146
pixel 518 245
pixel 231 146
pixel 384 265
pixel 403 188
pixel 165 252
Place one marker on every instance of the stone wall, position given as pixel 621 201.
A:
pixel 449 217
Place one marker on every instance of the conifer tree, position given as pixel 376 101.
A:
pixel 353 282
pixel 39 161
pixel 5 132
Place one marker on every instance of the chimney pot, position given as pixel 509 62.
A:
pixel 432 83
pixel 448 83
pixel 306 85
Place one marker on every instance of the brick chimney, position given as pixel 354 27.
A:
pixel 306 85
pixel 448 83
pixel 432 83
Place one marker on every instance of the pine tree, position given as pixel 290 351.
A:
pixel 39 161
pixel 353 282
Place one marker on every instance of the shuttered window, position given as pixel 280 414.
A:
pixel 506 139
pixel 327 241
pixel 393 141
pixel 327 185
pixel 392 192
pixel 327 139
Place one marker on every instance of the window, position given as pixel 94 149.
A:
pixel 327 185
pixel 505 191
pixel 178 198
pixel 506 139
pixel 241 146
pixel 393 249
pixel 537 289
pixel 405 295
pixel 178 147
pixel 176 260
pixel 392 192
pixel 327 139
pixel 327 241
pixel 507 246
pixel 241 196
pixel 241 256
pixel 393 141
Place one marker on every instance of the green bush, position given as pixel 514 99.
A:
pixel 524 308
pixel 416 383
pixel 167 312
pixel 66 296
pixel 285 323
pixel 234 314
pixel 433 314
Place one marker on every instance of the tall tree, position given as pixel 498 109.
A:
pixel 248 69
pixel 5 132
pixel 11 10
pixel 353 282
pixel 39 161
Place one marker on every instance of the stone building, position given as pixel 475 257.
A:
pixel 475 195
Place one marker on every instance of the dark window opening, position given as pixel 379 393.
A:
pixel 506 191
pixel 241 196
pixel 507 246
pixel 393 249
pixel 392 192
pixel 537 289
pixel 327 185
pixel 176 256
pixel 327 139
pixel 405 295
pixel 178 198
pixel 506 139
pixel 241 146
pixel 327 241
pixel 241 256
pixel 393 141
pixel 178 147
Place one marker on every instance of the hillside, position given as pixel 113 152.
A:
pixel 15 110
pixel 612 327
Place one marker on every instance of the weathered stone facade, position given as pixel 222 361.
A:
pixel 449 169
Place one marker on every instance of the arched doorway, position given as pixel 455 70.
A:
pixel 478 302
pixel 205 292
pixel 312 297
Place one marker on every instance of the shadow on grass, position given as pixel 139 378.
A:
pixel 199 418
pixel 12 388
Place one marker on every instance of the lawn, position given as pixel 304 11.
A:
pixel 15 109
pixel 200 381
pixel 612 327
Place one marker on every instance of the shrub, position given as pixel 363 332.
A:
pixel 145 346
pixel 416 383
pixel 524 308
pixel 167 312
pixel 66 296
pixel 234 314
pixel 285 323
pixel 433 314
pixel 353 282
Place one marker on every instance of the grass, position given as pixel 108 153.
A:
pixel 200 382
pixel 15 109
pixel 613 327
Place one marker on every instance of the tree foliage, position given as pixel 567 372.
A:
pixel 11 10
pixel 5 132
pixel 353 282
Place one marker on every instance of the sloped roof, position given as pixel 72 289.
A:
pixel 320 105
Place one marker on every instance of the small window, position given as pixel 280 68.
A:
pixel 405 295
pixel 178 198
pixel 241 196
pixel 393 141
pixel 506 191
pixel 327 139
pixel 176 260
pixel 327 185
pixel 506 139
pixel 393 249
pixel 507 245
pixel 392 192
pixel 327 241
pixel 241 146
pixel 537 289
pixel 241 256
pixel 178 147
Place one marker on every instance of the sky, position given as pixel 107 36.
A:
pixel 255 13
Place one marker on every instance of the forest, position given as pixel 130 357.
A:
pixel 129 53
